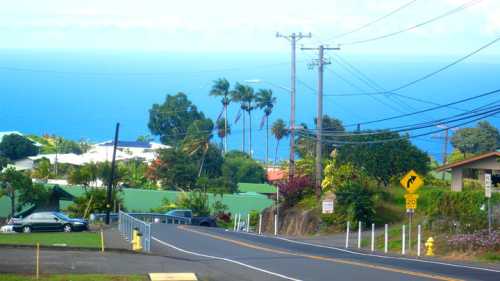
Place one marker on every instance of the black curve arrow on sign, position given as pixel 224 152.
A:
pixel 410 181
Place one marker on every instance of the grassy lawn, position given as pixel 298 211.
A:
pixel 74 277
pixel 73 239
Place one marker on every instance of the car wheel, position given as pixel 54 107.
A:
pixel 26 229
pixel 67 228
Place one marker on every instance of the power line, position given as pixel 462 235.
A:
pixel 426 76
pixel 446 14
pixel 427 109
pixel 408 136
pixel 374 21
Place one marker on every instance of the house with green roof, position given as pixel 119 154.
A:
pixel 261 188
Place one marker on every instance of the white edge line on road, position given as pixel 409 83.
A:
pixel 224 259
pixel 373 255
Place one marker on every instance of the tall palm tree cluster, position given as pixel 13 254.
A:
pixel 248 100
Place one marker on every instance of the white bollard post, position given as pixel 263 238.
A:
pixel 418 239
pixel 238 225
pixel 403 243
pixel 260 224
pixel 386 238
pixel 235 221
pixel 347 235
pixel 359 235
pixel 373 237
pixel 248 222
pixel 275 225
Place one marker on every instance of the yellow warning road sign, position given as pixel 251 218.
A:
pixel 411 200
pixel 411 182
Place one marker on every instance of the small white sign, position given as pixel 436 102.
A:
pixel 487 185
pixel 327 206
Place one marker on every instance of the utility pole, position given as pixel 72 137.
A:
pixel 293 38
pixel 319 119
pixel 445 137
pixel 112 176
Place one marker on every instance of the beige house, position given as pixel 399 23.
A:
pixel 488 163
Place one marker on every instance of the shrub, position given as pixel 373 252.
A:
pixel 294 190
pixel 354 203
pixel 477 241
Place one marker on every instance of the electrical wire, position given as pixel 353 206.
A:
pixel 374 21
pixel 446 14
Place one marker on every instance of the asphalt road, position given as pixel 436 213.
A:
pixel 251 257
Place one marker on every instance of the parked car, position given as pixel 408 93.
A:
pixel 48 221
pixel 185 216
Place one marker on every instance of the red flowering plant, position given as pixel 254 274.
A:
pixel 294 189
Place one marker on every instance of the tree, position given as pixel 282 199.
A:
pixel 245 96
pixel 383 155
pixel 197 139
pixel 17 147
pixel 306 142
pixel 135 174
pixel 3 162
pixel 240 167
pixel 223 130
pixel 42 169
pixel 12 182
pixel 220 88
pixel 144 138
pixel 171 119
pixel 266 102
pixel 175 169
pixel 196 201
pixel 93 201
pixel 279 131
pixel 480 139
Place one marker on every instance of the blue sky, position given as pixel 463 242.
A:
pixel 242 26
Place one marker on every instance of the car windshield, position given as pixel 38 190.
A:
pixel 62 216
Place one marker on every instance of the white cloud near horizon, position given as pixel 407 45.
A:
pixel 231 25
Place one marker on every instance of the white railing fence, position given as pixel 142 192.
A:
pixel 126 226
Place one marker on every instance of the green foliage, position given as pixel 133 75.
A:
pixel 37 195
pixel 55 144
pixel 240 167
pixel 175 169
pixel 196 201
pixel 480 139
pixel 457 211
pixel 219 208
pixel 354 203
pixel 165 206
pixel 279 130
pixel 306 141
pixel 17 147
pixel 134 174
pixel 13 182
pixel 4 161
pixel 93 201
pixel 386 159
pixel 172 119
pixel 42 170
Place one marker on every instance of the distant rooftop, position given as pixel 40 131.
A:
pixel 262 188
pixel 133 144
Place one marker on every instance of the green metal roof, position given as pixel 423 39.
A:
pixel 263 188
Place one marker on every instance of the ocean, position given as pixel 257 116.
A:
pixel 82 94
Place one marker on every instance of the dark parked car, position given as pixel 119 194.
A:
pixel 185 216
pixel 48 221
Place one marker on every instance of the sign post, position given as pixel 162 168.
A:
pixel 487 194
pixel 411 182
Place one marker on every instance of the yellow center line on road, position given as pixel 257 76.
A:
pixel 314 257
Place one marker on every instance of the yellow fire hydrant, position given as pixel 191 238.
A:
pixel 430 247
pixel 136 240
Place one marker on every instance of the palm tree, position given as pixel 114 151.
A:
pixel 266 101
pixel 245 96
pixel 220 88
pixel 223 129
pixel 279 131
pixel 198 139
